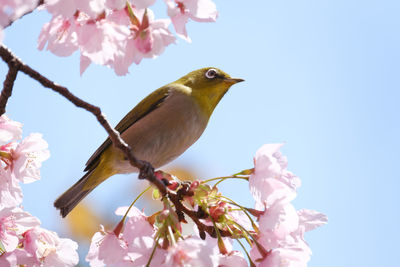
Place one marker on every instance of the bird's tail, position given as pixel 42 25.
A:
pixel 67 201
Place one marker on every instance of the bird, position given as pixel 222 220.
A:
pixel 158 129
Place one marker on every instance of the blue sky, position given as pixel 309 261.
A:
pixel 321 76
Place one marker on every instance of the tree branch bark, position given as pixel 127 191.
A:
pixel 8 86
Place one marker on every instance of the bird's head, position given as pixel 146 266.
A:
pixel 208 86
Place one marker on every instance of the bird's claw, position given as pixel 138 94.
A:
pixel 146 171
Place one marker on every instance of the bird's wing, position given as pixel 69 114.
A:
pixel 146 106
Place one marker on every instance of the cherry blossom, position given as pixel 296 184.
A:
pixel 133 246
pixel 117 33
pixel 8 259
pixel 106 249
pixel 68 8
pixel 181 11
pixel 115 4
pixel 9 130
pixel 47 249
pixel 232 259
pixel 60 36
pixel 14 222
pixel 101 42
pixel 147 39
pixel 10 190
pixel 11 10
pixel 192 251
pixel 116 39
pixel 28 157
pixel 311 219
pixel 19 162
pixel 21 238
pixel 279 220
pixel 270 180
pixel 281 227
pixel 142 4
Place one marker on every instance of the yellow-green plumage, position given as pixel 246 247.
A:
pixel 159 129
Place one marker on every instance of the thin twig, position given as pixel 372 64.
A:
pixel 194 216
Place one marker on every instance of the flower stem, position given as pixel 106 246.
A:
pixel 223 178
pixel 153 251
pixel 244 249
pixel 136 199
pixel 253 224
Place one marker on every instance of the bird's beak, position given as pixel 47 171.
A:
pixel 233 80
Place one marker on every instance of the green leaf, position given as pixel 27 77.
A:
pixel 156 194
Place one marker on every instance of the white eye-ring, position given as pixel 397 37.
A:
pixel 211 73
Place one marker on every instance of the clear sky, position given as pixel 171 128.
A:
pixel 321 76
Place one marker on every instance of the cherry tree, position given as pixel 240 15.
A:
pixel 116 34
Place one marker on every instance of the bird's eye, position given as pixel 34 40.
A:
pixel 211 73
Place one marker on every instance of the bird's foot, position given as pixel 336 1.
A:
pixel 146 171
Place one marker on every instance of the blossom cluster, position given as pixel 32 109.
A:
pixel 281 227
pixel 114 33
pixel 275 235
pixel 22 240
pixel 136 246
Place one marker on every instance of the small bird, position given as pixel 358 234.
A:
pixel 159 129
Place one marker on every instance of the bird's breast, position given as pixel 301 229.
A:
pixel 165 133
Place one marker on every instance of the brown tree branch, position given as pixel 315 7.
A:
pixel 194 216
pixel 8 86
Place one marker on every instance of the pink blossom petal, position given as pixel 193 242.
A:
pixel 267 191
pixel 92 8
pixel 285 257
pixel 10 190
pixel 102 42
pixel 14 222
pixel 197 10
pixel 25 258
pixel 202 10
pixel 93 255
pixel 28 158
pixel 179 23
pixel 49 249
pixel 140 250
pixel 8 259
pixel 59 7
pixel 280 219
pixel 191 252
pixel 13 10
pixel 106 249
pixel 142 4
pixel 112 249
pixel 266 162
pixel 233 259
pixel 84 64
pixel 60 36
pixel 9 130
pixel 116 4
pixel 311 219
